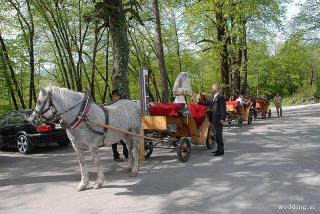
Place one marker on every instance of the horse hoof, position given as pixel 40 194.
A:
pixel 81 187
pixel 97 186
pixel 134 174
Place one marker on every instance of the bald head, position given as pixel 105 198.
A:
pixel 215 88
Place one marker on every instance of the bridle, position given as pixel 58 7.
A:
pixel 51 107
pixel 83 113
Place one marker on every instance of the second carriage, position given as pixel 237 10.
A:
pixel 261 107
pixel 239 113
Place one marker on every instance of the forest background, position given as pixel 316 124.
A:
pixel 252 47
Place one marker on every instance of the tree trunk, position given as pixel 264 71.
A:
pixel 120 50
pixel 163 72
pixel 12 73
pixel 178 44
pixel 106 85
pixel 32 90
pixel 244 60
pixel 94 56
pixel 224 55
pixel 236 66
pixel 3 67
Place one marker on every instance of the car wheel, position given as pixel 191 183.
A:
pixel 64 143
pixel 24 145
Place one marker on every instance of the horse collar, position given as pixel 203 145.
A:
pixel 82 115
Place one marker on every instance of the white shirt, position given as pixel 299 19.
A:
pixel 215 96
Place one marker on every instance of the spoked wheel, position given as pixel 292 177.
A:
pixel 210 141
pixel 24 146
pixel 183 149
pixel 250 119
pixel 269 113
pixel 239 121
pixel 264 115
pixel 148 149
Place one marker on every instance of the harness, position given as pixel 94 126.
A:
pixel 82 116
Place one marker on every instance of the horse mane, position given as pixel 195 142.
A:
pixel 72 96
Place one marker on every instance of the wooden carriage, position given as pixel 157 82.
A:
pixel 261 108
pixel 178 125
pixel 238 113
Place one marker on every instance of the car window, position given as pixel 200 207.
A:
pixel 18 117
pixel 4 121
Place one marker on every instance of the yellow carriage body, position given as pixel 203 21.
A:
pixel 184 126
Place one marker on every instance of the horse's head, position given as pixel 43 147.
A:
pixel 44 110
pixel 203 96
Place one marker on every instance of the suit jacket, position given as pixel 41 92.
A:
pixel 217 108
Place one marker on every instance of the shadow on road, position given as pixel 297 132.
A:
pixel 271 162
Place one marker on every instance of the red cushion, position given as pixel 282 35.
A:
pixel 196 109
pixel 234 103
pixel 197 112
pixel 160 109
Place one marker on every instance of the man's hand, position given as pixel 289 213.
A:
pixel 222 122
pixel 196 99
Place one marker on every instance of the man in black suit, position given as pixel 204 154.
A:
pixel 217 116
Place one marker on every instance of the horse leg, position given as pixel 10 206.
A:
pixel 84 173
pixel 130 155
pixel 100 176
pixel 135 161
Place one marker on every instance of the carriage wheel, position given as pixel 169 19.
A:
pixel 250 119
pixel 183 149
pixel 269 113
pixel 239 121
pixel 148 149
pixel 210 141
pixel 264 115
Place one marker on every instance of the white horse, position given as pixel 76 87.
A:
pixel 74 110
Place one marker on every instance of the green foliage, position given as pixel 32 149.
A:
pixel 291 68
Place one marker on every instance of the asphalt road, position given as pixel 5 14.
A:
pixel 272 166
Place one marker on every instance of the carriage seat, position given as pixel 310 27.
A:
pixel 232 105
pixel 261 103
pixel 166 109
pixel 197 112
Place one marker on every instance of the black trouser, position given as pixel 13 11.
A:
pixel 116 154
pixel 218 136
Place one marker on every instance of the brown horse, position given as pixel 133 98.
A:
pixel 202 96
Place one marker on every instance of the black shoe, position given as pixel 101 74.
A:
pixel 219 153
pixel 117 159
pixel 214 152
pixel 125 154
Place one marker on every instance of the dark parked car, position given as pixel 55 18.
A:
pixel 17 131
